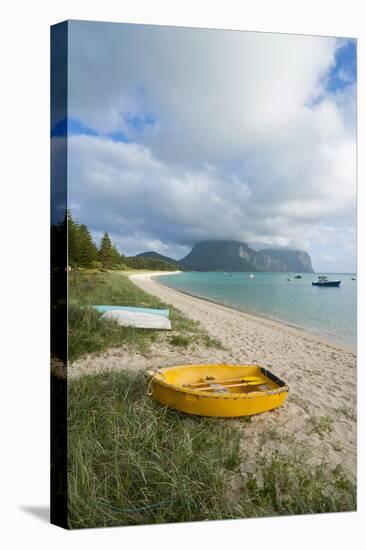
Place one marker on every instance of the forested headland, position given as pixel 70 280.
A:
pixel 84 252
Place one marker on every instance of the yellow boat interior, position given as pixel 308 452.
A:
pixel 226 380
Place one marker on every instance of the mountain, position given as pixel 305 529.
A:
pixel 238 256
pixel 219 256
pixel 296 260
pixel 156 256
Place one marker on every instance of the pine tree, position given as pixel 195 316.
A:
pixel 107 252
pixel 86 249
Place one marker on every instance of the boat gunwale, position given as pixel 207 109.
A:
pixel 282 386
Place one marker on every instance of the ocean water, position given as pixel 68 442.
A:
pixel 327 312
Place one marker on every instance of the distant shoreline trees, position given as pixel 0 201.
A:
pixel 83 252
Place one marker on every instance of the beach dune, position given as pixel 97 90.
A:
pixel 320 412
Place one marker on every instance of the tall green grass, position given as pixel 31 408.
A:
pixel 134 462
pixel 87 334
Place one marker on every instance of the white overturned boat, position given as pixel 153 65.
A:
pixel 138 319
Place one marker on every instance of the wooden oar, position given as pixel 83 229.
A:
pixel 220 386
pixel 224 380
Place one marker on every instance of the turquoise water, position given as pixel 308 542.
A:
pixel 328 312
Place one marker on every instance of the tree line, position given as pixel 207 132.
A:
pixel 83 252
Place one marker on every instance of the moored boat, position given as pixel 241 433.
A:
pixel 217 390
pixel 324 281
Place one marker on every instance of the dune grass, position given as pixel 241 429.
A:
pixel 87 334
pixel 134 462
pixel 291 484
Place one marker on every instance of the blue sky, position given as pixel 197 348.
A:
pixel 178 135
pixel 344 71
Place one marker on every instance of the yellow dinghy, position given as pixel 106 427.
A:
pixel 217 390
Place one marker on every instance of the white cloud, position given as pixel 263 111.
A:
pixel 247 142
pixel 214 94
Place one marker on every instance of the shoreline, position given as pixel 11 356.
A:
pixel 321 410
pixel 153 276
pixel 319 417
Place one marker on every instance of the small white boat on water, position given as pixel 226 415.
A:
pixel 251 276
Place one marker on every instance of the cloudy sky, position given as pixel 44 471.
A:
pixel 178 135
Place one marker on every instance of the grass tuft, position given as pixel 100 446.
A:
pixel 180 341
pixel 291 485
pixel 348 412
pixel 321 425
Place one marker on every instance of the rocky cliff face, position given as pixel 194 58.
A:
pixel 296 260
pixel 238 256
pixel 218 256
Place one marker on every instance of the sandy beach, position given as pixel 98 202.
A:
pixel 320 413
